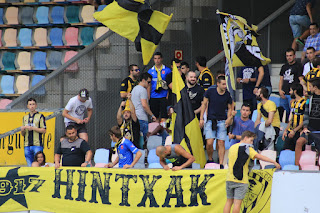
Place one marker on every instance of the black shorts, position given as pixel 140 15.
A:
pixel 290 143
pixel 81 128
pixel 158 107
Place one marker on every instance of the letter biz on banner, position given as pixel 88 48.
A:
pixel 12 147
pixel 72 189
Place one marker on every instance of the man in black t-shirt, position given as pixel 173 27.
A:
pixel 74 150
pixel 217 100
pixel 128 122
pixel 129 82
pixel 290 73
pixel 170 101
pixel 195 92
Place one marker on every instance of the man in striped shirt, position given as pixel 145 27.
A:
pixel 313 73
pixel 313 40
pixel 294 127
pixel 33 126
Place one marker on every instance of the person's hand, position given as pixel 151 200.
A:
pixel 227 122
pixel 56 165
pixel 245 81
pixel 305 131
pixel 277 165
pixel 231 136
pixel 255 91
pixel 176 168
pixel 166 167
pixel 109 165
pixel 79 121
pixel 154 118
pixel 284 134
pixel 46 165
pixel 123 103
pixel 148 134
pixel 23 128
pixel 291 134
pixel 129 96
pixel 84 164
pixel 201 123
pixel 86 120
pixel 305 93
pixel 233 113
pixel 127 166
pixel 282 94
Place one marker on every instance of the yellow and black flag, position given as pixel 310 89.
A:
pixel 186 129
pixel 240 45
pixel 136 21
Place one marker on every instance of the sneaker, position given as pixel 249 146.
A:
pixel 300 41
pixel 221 166
pixel 210 161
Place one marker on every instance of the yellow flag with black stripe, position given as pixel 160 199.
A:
pixel 136 21
pixel 186 130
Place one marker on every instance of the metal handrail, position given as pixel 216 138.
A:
pixel 60 69
pixel 261 25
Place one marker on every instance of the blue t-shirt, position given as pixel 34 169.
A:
pixel 245 73
pixel 239 126
pixel 126 149
pixel 218 104
pixel 164 72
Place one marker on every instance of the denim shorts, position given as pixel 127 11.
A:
pixel 297 22
pixel 236 190
pixel 219 134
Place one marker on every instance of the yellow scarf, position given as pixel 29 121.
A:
pixel 117 144
pixel 159 78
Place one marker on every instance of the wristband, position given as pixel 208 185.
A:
pixel 234 137
pixel 87 162
pixel 257 87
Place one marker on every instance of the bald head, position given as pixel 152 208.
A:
pixel 160 151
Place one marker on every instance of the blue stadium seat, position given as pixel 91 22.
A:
pixel 101 7
pixel 55 36
pixel 39 60
pixel 72 14
pixel 101 156
pixel 275 99
pixel 42 15
pixel 86 35
pixel 152 157
pixel 154 141
pixel 7 84
pixel 54 59
pixel 44 0
pixel 1 15
pixel 290 167
pixel 8 59
pixel 287 157
pixel 140 164
pixel 25 37
pixel 35 80
pixel 155 166
pixel 57 14
pixel 26 15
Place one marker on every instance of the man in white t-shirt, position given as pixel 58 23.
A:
pixel 74 111
pixel 311 54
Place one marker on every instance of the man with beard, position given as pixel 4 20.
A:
pixel 268 111
pixel 128 122
pixel 195 92
pixel 129 82
pixel 310 120
pixel 241 123
pixel 294 127
pixel 217 100
pixel 290 73
pixel 185 67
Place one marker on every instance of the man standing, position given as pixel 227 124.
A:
pixel 129 82
pixel 247 76
pixel 125 150
pixel 217 100
pixel 159 88
pixel 74 111
pixel 294 127
pixel 176 154
pixel 241 124
pixel 313 40
pixel 206 78
pixel 310 120
pixel 311 54
pixel 128 121
pixel 195 92
pixel 290 73
pixel 185 67
pixel 139 97
pixel 313 73
pixel 268 111
pixel 74 150
pixel 33 126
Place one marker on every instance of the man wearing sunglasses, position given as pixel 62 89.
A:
pixel 129 82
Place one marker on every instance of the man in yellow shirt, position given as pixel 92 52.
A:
pixel 237 176
pixel 268 111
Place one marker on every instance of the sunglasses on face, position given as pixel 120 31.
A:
pixel 149 82
pixel 137 70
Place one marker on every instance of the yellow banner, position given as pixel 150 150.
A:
pixel 12 147
pixel 76 189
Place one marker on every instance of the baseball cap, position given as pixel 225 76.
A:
pixel 84 94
